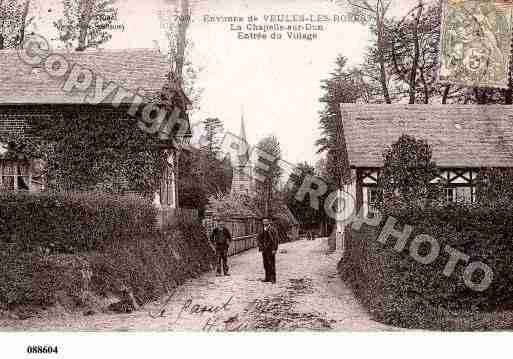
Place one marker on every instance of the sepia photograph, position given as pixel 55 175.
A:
pixel 187 170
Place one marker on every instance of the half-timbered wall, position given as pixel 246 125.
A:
pixel 459 184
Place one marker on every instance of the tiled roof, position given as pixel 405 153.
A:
pixel 460 135
pixel 142 70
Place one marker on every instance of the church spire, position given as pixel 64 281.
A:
pixel 242 133
pixel 242 180
pixel 244 148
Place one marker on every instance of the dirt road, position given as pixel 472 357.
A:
pixel 308 295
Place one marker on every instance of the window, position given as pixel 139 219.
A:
pixel 460 194
pixel 371 196
pixel 15 176
pixel 449 194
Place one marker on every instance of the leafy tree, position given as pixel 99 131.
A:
pixel 495 184
pixel 14 21
pixel 85 23
pixel 233 205
pixel 377 10
pixel 410 54
pixel 201 174
pixel 343 86
pixel 270 173
pixel 408 172
pixel 218 173
pixel 309 217
pixel 191 190
pixel 213 130
pixel 174 22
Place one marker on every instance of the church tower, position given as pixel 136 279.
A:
pixel 243 181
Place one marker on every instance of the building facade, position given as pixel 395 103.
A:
pixel 29 92
pixel 464 139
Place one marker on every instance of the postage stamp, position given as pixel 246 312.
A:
pixel 476 43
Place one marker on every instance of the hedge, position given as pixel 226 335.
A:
pixel 149 265
pixel 399 291
pixel 67 222
pixel 82 248
pixel 152 265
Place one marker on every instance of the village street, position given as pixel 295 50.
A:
pixel 308 295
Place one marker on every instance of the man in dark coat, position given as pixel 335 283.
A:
pixel 268 245
pixel 221 239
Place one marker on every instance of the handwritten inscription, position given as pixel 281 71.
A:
pixel 211 312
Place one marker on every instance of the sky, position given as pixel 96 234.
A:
pixel 275 84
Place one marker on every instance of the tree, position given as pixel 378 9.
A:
pixel 270 173
pixel 201 175
pixel 216 175
pixel 85 23
pixel 213 129
pixel 408 172
pixel 14 21
pixel 411 54
pixel 309 217
pixel 191 189
pixel 411 46
pixel 377 9
pixel 343 86
pixel 494 184
pixel 175 22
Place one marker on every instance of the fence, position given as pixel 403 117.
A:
pixel 244 232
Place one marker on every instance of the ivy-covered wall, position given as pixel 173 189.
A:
pixel 87 147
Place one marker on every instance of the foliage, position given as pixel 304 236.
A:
pixel 90 150
pixel 271 170
pixel 233 205
pixel 85 23
pixel 377 10
pixel 214 128
pixel 342 86
pixel 409 52
pixel 14 21
pixel 150 265
pixel 269 173
pixel 72 222
pixel 308 217
pixel 201 173
pixel 153 265
pixel 174 23
pixel 494 184
pixel 402 292
pixel 408 171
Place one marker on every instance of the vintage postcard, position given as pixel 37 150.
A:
pixel 172 171
pixel 475 44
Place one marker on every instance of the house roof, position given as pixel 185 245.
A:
pixel 459 135
pixel 137 70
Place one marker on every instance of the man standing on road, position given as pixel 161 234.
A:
pixel 221 239
pixel 268 245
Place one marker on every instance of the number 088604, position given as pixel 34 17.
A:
pixel 42 349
